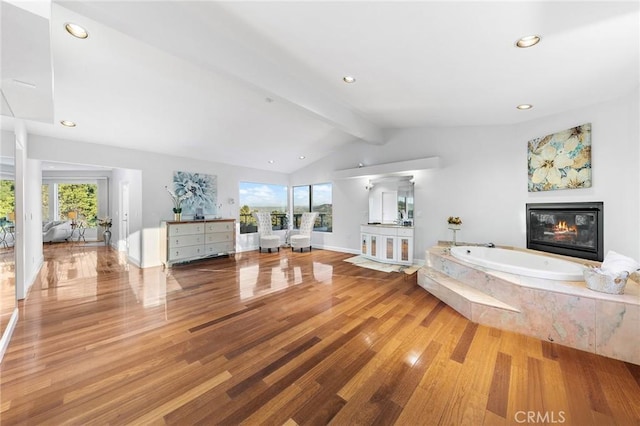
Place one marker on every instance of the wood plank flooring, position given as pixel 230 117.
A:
pixel 282 339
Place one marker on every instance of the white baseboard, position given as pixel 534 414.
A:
pixel 6 336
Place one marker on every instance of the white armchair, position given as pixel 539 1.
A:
pixel 267 238
pixel 303 238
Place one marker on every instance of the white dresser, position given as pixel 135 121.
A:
pixel 387 243
pixel 191 240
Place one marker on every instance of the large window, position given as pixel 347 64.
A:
pixel 262 197
pixel 70 201
pixel 7 200
pixel 80 198
pixel 314 198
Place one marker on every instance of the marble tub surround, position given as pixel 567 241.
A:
pixel 565 312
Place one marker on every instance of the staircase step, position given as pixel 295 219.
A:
pixel 456 294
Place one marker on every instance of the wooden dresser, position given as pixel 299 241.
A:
pixel 190 240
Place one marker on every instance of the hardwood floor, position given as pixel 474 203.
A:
pixel 282 338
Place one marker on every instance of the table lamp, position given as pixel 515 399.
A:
pixel 12 216
pixel 72 216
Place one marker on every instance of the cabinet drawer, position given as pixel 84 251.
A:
pixel 186 240
pixel 186 229
pixel 405 232
pixel 185 252
pixel 218 237
pixel 218 248
pixel 388 231
pixel 219 227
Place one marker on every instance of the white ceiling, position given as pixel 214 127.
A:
pixel 193 78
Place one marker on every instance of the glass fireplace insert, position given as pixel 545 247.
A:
pixel 570 229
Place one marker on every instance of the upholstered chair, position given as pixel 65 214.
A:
pixel 303 238
pixel 267 238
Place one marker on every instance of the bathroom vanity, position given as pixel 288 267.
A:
pixel 387 243
pixel 388 237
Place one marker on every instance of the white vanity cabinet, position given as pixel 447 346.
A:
pixel 185 241
pixel 387 243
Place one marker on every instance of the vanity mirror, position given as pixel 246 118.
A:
pixel 391 200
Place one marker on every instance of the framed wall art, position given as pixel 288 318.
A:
pixel 198 190
pixel 560 160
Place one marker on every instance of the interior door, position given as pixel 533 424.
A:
pixel 124 216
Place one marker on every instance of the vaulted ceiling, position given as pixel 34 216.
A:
pixel 248 82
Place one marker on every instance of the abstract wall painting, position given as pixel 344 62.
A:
pixel 560 160
pixel 201 191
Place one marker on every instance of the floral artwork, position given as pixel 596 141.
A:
pixel 196 190
pixel 561 160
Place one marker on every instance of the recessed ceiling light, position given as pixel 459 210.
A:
pixel 270 161
pixel 76 30
pixel 68 123
pixel 302 157
pixel 528 41
pixel 349 79
pixel 524 106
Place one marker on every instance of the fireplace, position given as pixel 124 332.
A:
pixel 570 229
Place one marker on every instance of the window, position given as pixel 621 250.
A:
pixel 314 198
pixel 45 202
pixel 79 198
pixel 60 199
pixel 7 200
pixel 263 197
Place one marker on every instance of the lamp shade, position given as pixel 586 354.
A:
pixel 12 216
pixel 72 215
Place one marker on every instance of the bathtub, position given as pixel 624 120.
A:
pixel 520 263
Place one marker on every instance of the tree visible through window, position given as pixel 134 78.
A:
pixel 262 197
pixel 81 198
pixel 7 198
pixel 314 198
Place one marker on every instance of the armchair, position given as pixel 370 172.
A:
pixel 303 238
pixel 267 239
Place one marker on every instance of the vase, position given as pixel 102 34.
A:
pixel 107 237
pixel 177 217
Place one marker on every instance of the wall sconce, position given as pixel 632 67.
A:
pixel 412 181
pixel 369 186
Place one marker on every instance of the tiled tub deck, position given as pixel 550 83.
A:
pixel 565 312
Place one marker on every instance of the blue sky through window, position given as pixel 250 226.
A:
pixel 258 195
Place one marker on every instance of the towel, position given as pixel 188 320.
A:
pixel 616 263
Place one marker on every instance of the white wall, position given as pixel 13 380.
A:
pixel 156 171
pixel 33 222
pixel 483 179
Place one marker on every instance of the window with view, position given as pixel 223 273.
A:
pixel 314 198
pixel 7 201
pixel 61 199
pixel 262 197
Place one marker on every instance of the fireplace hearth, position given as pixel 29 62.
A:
pixel 570 229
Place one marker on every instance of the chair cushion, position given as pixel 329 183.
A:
pixel 300 241
pixel 269 241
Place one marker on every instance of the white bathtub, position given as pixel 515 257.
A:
pixel 520 263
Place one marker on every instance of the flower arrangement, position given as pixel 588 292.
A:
pixel 454 220
pixel 107 222
pixel 177 200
